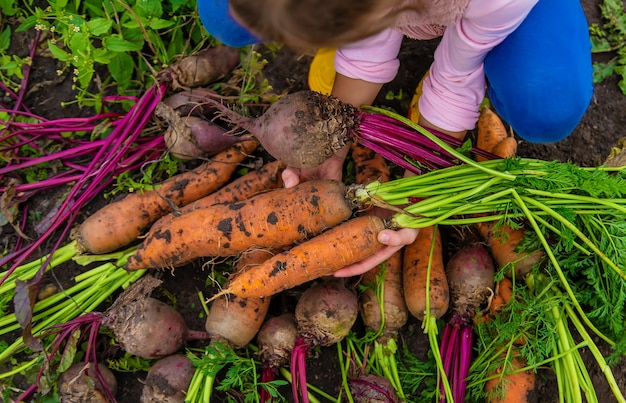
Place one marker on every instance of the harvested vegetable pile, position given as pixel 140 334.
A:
pixel 256 249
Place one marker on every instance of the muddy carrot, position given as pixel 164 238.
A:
pixel 512 385
pixel 265 178
pixel 491 131
pixel 268 220
pixel 503 242
pixel 338 247
pixel 418 279
pixel 119 223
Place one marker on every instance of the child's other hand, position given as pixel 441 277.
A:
pixel 394 241
pixel 331 169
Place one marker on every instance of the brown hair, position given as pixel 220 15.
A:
pixel 315 23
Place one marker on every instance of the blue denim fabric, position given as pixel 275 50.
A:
pixel 218 22
pixel 540 77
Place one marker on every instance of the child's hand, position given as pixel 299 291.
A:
pixel 331 169
pixel 394 241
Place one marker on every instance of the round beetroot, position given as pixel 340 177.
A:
pixel 168 380
pixel 149 328
pixel 81 383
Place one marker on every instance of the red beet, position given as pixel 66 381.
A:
pixel 470 277
pixel 372 389
pixel 168 380
pixel 302 129
pixel 149 328
pixel 82 383
pixel 325 314
pixel 276 340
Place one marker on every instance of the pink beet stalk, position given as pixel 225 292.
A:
pixel 470 277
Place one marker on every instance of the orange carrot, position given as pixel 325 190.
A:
pixel 503 242
pixel 265 178
pixel 491 131
pixel 268 220
pixel 338 247
pixel 237 320
pixel 512 385
pixel 371 166
pixel 120 223
pixel 506 148
pixel 415 274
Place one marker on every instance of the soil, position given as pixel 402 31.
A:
pixel 603 124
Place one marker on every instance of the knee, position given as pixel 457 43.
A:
pixel 546 113
pixel 218 22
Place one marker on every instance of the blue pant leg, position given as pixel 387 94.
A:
pixel 218 22
pixel 540 77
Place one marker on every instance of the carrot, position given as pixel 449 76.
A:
pixel 121 222
pixel 265 178
pixel 512 385
pixel 338 247
pixel 384 317
pixel 268 220
pixel 503 242
pixel 506 148
pixel 204 67
pixel 491 131
pixel 369 166
pixel 415 275
pixel 236 320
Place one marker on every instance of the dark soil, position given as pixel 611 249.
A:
pixel 603 124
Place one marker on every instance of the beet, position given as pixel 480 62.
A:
pixel 81 383
pixel 372 389
pixel 168 380
pixel 191 137
pixel 301 129
pixel 470 278
pixel 192 102
pixel 276 339
pixel 149 328
pixel 325 313
pixel 470 274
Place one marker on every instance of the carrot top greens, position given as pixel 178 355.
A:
pixel 577 215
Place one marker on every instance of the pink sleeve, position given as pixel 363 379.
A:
pixel 373 59
pixel 455 86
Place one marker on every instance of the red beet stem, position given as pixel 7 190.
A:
pixel 298 371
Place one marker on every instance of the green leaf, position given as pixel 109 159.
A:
pixel 121 68
pixel 117 44
pixel 58 53
pixel 5 39
pixel 103 56
pixel 85 73
pixel 27 24
pixel 148 8
pixel 8 7
pixel 157 23
pixel 99 26
pixel 80 43
pixel 601 71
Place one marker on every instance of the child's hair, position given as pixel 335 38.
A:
pixel 317 23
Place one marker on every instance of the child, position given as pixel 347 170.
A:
pixel 532 56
